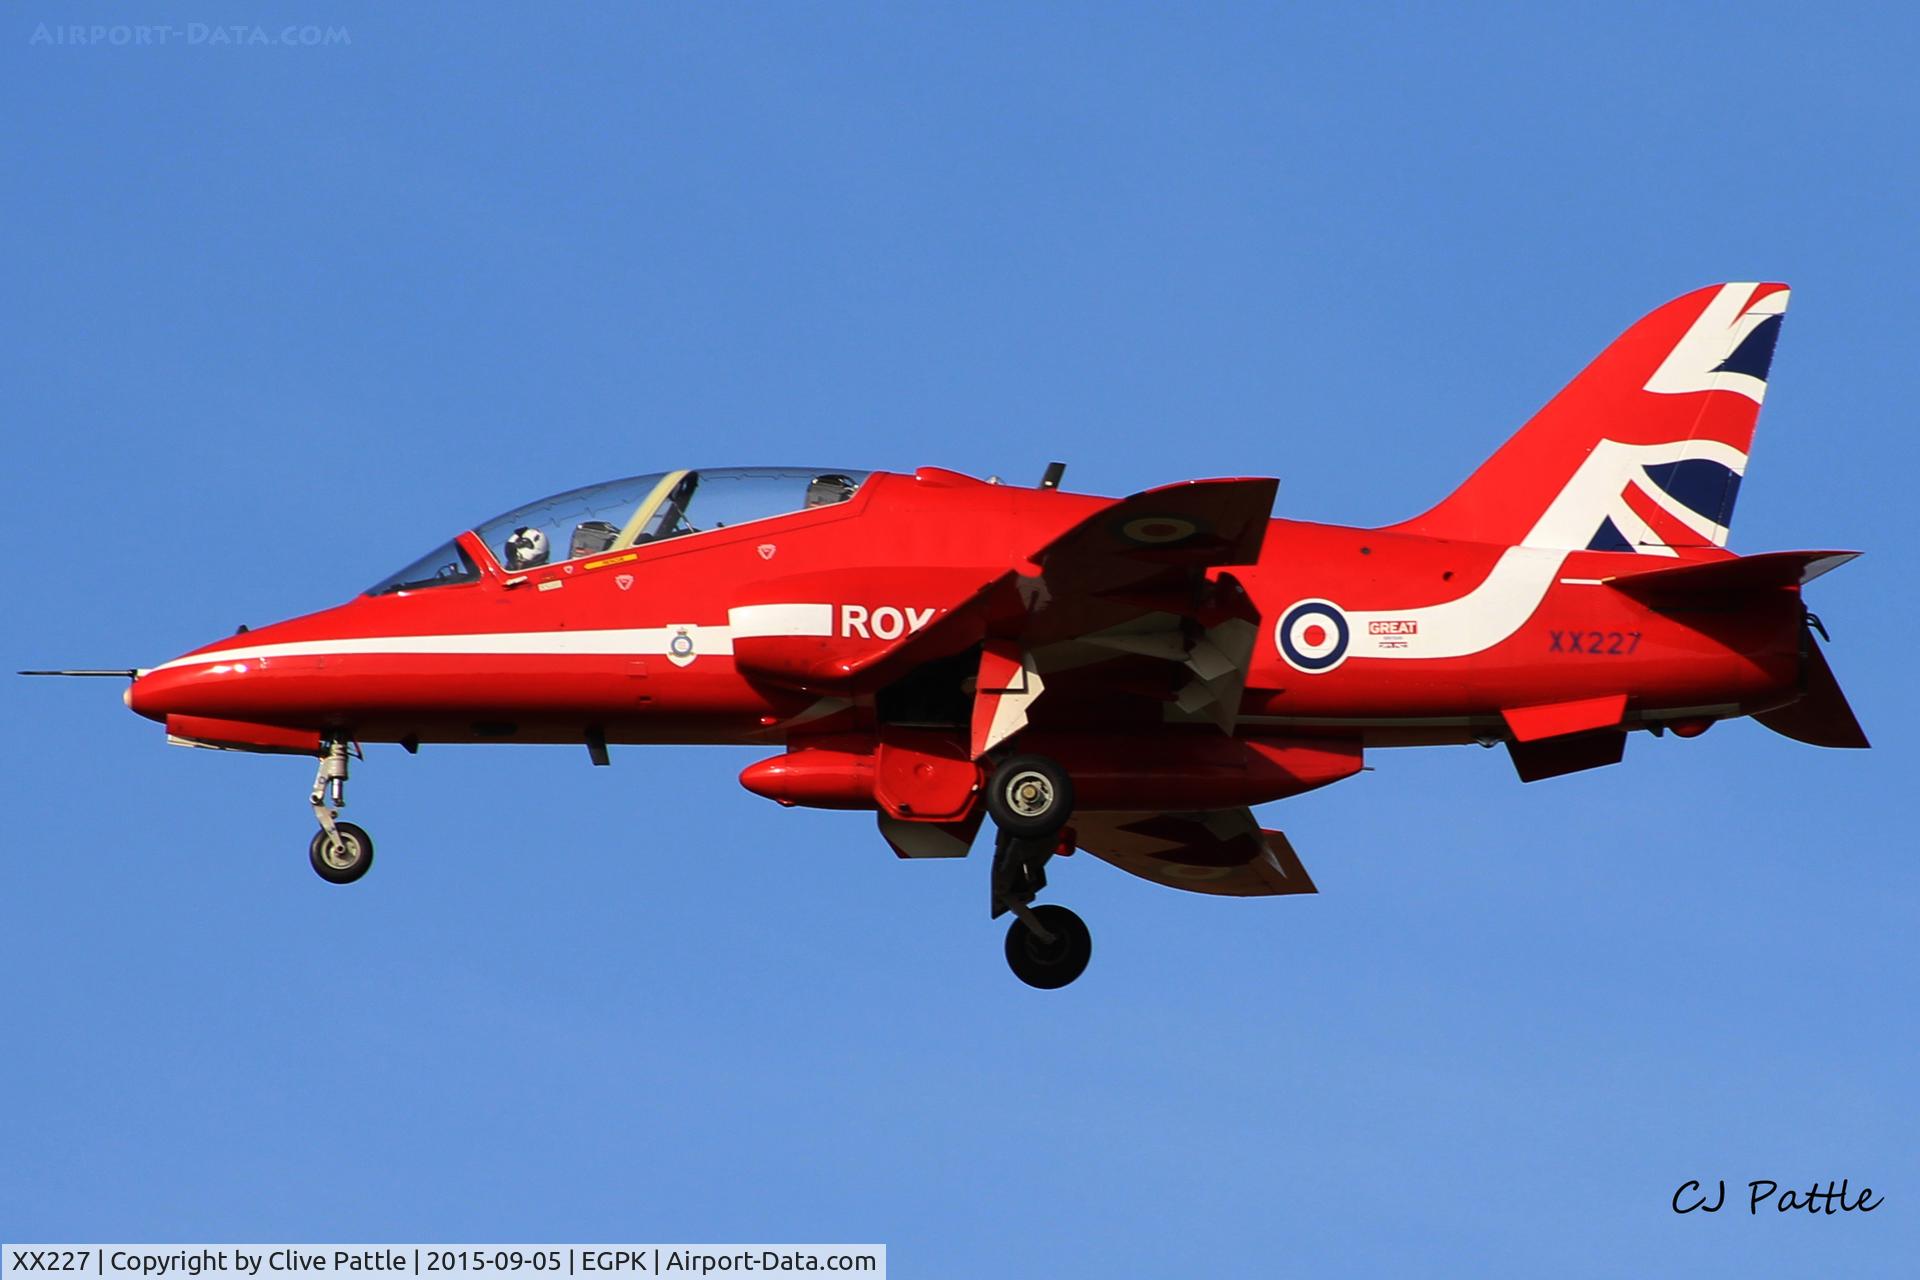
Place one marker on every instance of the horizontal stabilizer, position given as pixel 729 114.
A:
pixel 1743 575
pixel 1822 716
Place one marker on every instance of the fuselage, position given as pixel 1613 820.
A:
pixel 1381 637
pixel 1128 677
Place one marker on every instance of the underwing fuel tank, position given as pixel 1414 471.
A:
pixel 814 778
pixel 921 775
pixel 912 774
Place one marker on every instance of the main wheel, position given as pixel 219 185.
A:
pixel 1030 796
pixel 346 862
pixel 1049 965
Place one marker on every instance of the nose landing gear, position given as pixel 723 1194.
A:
pixel 340 851
pixel 1030 799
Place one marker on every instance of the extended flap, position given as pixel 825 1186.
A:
pixel 1219 851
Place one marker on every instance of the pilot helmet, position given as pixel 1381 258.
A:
pixel 527 548
pixel 824 491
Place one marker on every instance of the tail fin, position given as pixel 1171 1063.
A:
pixel 1645 449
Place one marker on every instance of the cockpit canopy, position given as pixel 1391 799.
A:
pixel 626 513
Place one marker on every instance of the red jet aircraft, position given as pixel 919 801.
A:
pixel 1124 677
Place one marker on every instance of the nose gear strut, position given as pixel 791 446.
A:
pixel 340 851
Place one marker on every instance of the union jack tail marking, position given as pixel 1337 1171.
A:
pixel 1644 451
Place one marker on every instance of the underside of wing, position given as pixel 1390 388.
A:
pixel 1219 851
pixel 1124 609
pixel 1144 554
pixel 1121 615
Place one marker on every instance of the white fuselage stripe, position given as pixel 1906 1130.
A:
pixel 634 641
pixel 767 620
pixel 812 620
pixel 1477 620
pixel 1521 578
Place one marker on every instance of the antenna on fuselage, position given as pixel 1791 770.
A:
pixel 1051 480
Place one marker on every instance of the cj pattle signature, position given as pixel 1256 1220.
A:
pixel 1834 1199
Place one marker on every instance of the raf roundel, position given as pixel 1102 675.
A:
pixel 1158 531
pixel 1312 636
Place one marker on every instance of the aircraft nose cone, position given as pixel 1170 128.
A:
pixel 154 695
pixel 215 689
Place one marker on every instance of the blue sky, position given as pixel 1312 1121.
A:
pixel 278 319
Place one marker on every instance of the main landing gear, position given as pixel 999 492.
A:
pixel 340 851
pixel 1030 798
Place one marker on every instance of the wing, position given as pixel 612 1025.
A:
pixel 1144 554
pixel 1125 609
pixel 1221 851
pixel 1131 584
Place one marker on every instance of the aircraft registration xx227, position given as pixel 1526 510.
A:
pixel 1125 677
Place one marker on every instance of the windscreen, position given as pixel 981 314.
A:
pixel 443 566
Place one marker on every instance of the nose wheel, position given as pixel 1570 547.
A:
pixel 340 852
pixel 1030 798
pixel 342 857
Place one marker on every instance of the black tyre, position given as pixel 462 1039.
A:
pixel 347 862
pixel 1049 965
pixel 1029 796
